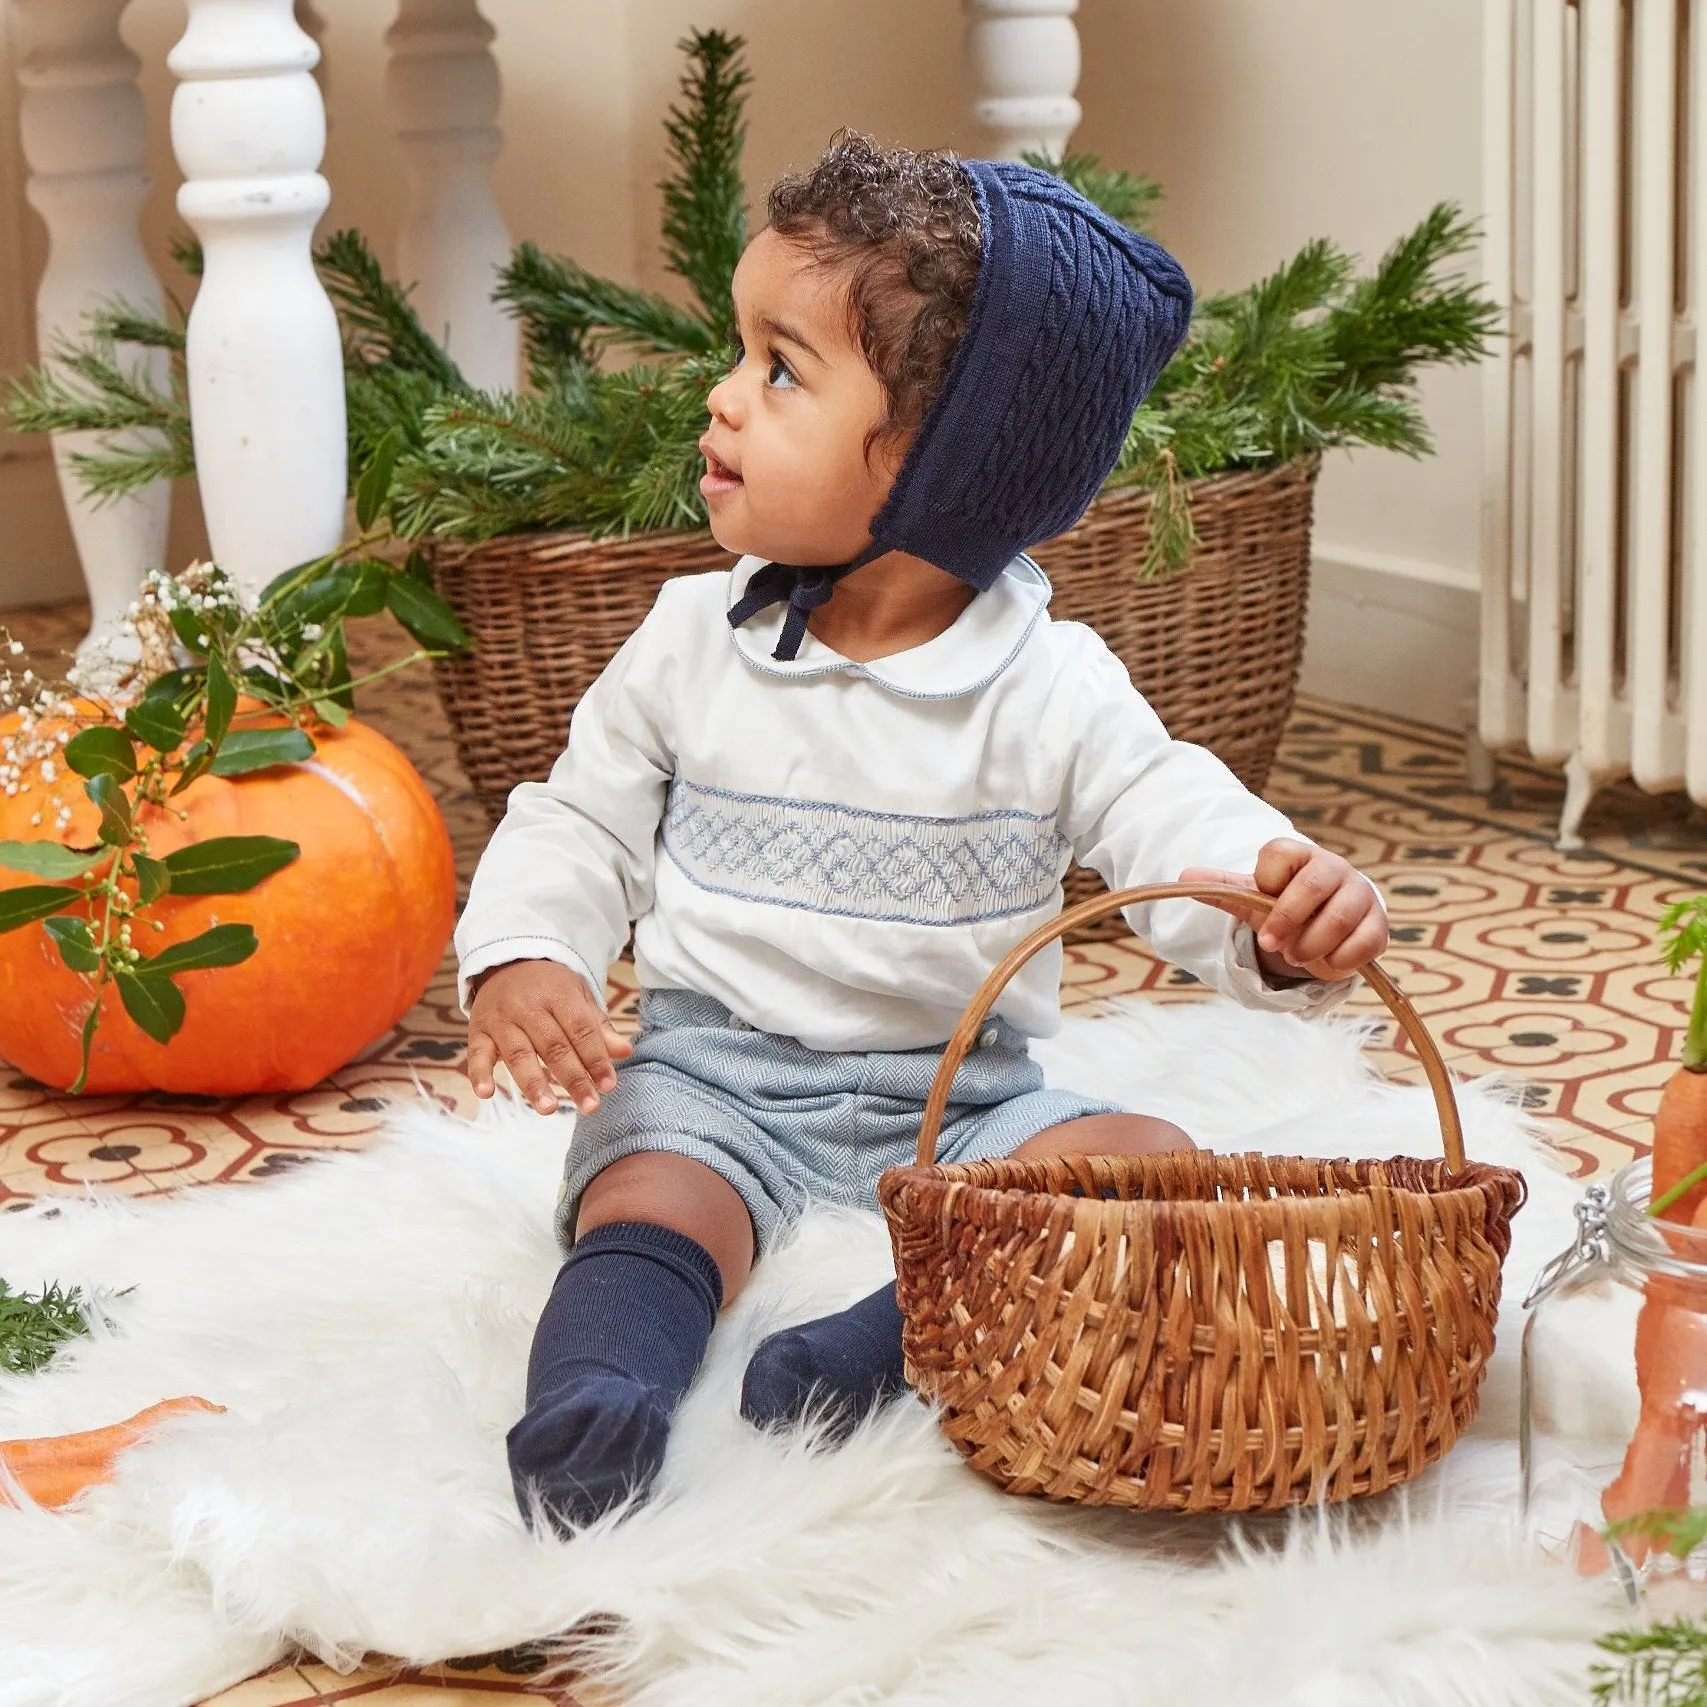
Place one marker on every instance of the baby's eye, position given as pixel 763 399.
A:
pixel 781 375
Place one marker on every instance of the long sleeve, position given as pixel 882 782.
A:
pixel 1139 807
pixel 572 862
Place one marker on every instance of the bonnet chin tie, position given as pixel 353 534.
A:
pixel 804 589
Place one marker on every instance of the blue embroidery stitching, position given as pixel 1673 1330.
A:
pixel 826 858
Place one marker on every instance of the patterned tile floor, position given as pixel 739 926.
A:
pixel 1520 958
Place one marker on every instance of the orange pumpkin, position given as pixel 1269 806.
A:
pixel 350 932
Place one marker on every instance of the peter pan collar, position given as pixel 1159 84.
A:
pixel 985 638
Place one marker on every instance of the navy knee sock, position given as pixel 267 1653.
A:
pixel 619 1342
pixel 839 1367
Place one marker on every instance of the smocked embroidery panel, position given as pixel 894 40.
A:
pixel 826 858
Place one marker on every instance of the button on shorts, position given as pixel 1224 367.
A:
pixel 786 1125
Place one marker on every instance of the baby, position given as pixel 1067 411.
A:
pixel 833 786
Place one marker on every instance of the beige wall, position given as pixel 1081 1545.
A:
pixel 1266 123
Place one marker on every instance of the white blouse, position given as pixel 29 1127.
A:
pixel 841 852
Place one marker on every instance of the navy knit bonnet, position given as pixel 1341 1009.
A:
pixel 1073 318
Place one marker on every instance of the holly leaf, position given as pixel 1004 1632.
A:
pixel 157 723
pixel 153 878
pixel 153 1001
pixel 223 945
pixel 48 859
pixel 76 946
pixel 374 486
pixel 104 750
pixel 228 865
pixel 190 629
pixel 314 602
pixel 169 684
pixel 221 702
pixel 32 901
pixel 108 794
pixel 425 614
pixel 245 750
pixel 195 763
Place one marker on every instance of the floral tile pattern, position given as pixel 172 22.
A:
pixel 1521 959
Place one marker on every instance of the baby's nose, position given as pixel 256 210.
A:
pixel 724 401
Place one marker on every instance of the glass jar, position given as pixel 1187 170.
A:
pixel 1613 1429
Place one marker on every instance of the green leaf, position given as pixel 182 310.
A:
pixel 48 859
pixel 424 614
pixel 153 878
pixel 108 794
pixel 315 601
pixel 157 722
pixel 224 945
pixel 245 750
pixel 32 901
pixel 366 579
pixel 76 947
pixel 171 684
pixel 154 1002
pixel 86 1045
pixel 330 711
pixel 102 751
pixel 190 629
pixel 195 763
pixel 417 565
pixel 221 702
pixel 228 865
pixel 374 487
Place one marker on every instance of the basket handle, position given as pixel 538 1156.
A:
pixel 1100 906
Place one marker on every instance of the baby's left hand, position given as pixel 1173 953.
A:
pixel 1326 922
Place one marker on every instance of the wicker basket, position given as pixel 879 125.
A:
pixel 1194 1332
pixel 1216 648
pixel 546 613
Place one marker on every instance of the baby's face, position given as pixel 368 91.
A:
pixel 787 476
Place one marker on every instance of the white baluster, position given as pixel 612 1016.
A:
pixel 1024 56
pixel 442 84
pixel 265 365
pixel 84 128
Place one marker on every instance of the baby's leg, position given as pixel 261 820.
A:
pixel 848 1363
pixel 661 1243
pixel 1105 1135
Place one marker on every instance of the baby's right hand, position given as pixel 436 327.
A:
pixel 542 1021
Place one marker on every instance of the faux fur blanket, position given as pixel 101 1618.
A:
pixel 366 1320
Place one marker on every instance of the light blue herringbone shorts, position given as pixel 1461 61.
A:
pixel 787 1125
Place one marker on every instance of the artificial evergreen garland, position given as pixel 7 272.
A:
pixel 1311 358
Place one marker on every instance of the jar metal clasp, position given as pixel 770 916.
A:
pixel 1590 1246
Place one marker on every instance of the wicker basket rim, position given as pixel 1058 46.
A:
pixel 567 545
pixel 1477 1180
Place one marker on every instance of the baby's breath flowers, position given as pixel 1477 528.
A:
pixel 190 683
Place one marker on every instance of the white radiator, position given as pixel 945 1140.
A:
pixel 1594 633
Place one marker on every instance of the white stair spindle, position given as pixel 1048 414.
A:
pixel 443 88
pixel 1024 56
pixel 84 129
pixel 265 364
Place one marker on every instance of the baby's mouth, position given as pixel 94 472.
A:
pixel 719 477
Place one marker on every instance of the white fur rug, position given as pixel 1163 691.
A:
pixel 366 1321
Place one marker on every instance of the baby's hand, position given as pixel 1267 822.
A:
pixel 1326 922
pixel 541 1020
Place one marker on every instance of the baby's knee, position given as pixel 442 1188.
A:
pixel 1109 1135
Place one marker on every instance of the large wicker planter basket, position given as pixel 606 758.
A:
pixel 1195 1332
pixel 1215 649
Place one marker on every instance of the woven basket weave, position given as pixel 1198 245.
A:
pixel 1196 1332
pixel 546 612
pixel 1214 649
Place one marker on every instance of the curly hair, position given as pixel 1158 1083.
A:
pixel 905 227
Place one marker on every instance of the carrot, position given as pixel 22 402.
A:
pixel 54 1469
pixel 1680 1145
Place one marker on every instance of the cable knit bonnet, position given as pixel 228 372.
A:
pixel 1073 318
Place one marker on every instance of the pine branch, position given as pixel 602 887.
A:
pixel 380 327
pixel 91 387
pixel 569 315
pixel 33 1325
pixel 705 197
pixel 1127 196
pixel 1664 1665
